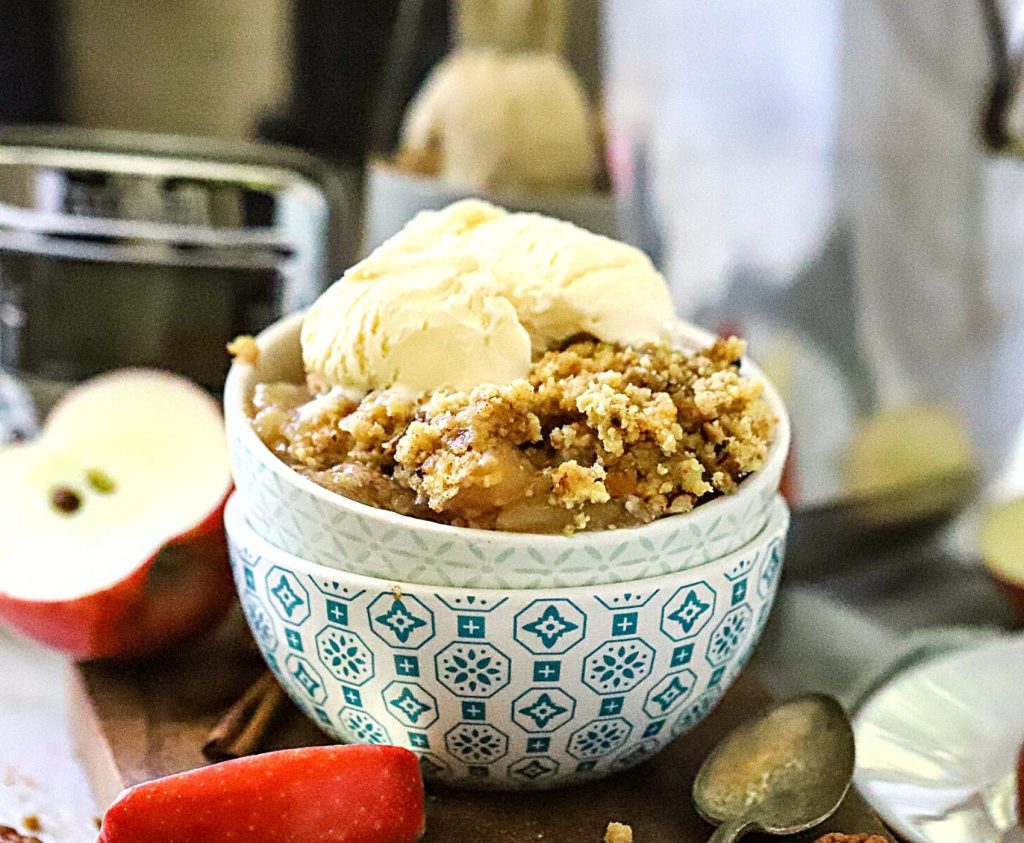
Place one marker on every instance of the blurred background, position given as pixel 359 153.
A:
pixel 835 180
pixel 841 182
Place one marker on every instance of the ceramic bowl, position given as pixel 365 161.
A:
pixel 394 196
pixel 300 517
pixel 511 688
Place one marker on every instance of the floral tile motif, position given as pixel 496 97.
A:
pixel 534 768
pixel 472 670
pixel 259 622
pixel 307 678
pixel 476 743
pixel 543 709
pixel 729 634
pixel 618 665
pixel 410 704
pixel 697 711
pixel 637 754
pixel 403 622
pixel 362 727
pixel 550 626
pixel 485 686
pixel 670 693
pixel 771 566
pixel 344 655
pixel 599 738
pixel 688 611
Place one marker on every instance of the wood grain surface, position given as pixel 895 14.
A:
pixel 135 723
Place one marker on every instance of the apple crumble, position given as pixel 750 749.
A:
pixel 597 436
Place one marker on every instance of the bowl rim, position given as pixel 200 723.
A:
pixel 238 388
pixel 241 532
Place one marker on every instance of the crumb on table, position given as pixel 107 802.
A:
pixel 244 350
pixel 618 833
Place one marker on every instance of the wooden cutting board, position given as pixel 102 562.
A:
pixel 135 723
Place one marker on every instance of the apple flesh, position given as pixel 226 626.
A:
pixel 1002 548
pixel 113 544
pixel 906 464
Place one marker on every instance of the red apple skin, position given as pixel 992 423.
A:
pixel 315 794
pixel 178 593
pixel 1020 788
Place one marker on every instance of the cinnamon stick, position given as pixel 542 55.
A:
pixel 244 726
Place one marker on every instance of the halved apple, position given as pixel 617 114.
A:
pixel 1002 547
pixel 111 535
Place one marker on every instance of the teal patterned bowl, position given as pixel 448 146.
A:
pixel 514 688
pixel 298 516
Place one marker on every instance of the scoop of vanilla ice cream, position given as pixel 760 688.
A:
pixel 505 121
pixel 465 295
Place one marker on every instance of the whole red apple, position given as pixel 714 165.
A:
pixel 113 544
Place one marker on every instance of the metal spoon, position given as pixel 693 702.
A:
pixel 781 773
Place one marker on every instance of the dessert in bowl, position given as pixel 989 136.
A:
pixel 480 373
pixel 510 688
pixel 497 505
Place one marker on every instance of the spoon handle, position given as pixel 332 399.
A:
pixel 731 830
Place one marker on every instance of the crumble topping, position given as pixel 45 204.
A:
pixel 618 833
pixel 244 349
pixel 597 436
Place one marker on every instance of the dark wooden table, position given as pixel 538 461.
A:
pixel 137 723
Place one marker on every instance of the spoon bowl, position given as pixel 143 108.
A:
pixel 781 773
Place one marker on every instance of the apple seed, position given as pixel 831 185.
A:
pixel 65 500
pixel 100 481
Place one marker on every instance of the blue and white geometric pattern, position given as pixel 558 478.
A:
pixel 363 727
pixel 599 738
pixel 503 688
pixel 287 596
pixel 533 768
pixel 307 677
pixel 688 611
pixel 550 626
pixel 670 693
pixel 472 670
pixel 730 633
pixel 410 704
pixel 771 567
pixel 636 754
pixel 618 665
pixel 403 622
pixel 476 743
pixel 259 622
pixel 344 655
pixel 543 709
